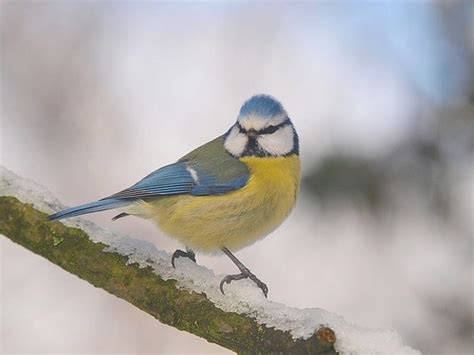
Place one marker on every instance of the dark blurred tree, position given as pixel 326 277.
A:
pixel 425 163
pixel 345 177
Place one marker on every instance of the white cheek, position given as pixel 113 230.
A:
pixel 235 142
pixel 279 143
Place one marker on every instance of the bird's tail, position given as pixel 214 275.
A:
pixel 96 206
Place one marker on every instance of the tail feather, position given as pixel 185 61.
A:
pixel 96 206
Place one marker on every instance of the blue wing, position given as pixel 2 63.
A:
pixel 174 179
pixel 169 180
pixel 180 178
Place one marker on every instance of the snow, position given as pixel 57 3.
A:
pixel 241 297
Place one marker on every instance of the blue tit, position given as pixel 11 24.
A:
pixel 224 195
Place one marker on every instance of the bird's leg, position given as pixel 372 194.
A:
pixel 244 274
pixel 179 253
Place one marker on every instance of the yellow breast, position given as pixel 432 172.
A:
pixel 235 219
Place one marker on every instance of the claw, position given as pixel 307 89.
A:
pixel 244 275
pixel 221 285
pixel 229 278
pixel 179 253
pixel 260 285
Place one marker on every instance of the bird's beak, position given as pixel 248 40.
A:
pixel 252 133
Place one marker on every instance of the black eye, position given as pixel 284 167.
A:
pixel 241 129
pixel 270 129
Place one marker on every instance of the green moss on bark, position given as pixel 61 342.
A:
pixel 72 250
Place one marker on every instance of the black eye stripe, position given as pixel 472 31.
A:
pixel 270 129
pixel 273 129
pixel 241 129
pixel 267 130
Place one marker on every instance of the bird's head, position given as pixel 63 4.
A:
pixel 263 129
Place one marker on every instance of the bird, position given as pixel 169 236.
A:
pixel 224 195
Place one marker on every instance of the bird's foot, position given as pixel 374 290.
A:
pixel 245 274
pixel 180 253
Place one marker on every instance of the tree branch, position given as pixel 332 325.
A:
pixel 73 250
pixel 188 297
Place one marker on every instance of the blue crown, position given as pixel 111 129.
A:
pixel 261 105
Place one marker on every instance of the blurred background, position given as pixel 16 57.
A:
pixel 95 95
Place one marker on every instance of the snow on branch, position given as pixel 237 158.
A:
pixel 188 297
